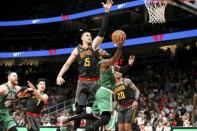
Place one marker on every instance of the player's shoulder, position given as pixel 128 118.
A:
pixel 17 88
pixel 3 85
pixel 127 81
pixel 3 89
pixel 44 94
pixel 75 51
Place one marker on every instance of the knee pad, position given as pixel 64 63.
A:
pixel 12 128
pixel 106 113
pixel 78 108
pixel 58 129
pixel 30 129
pixel 105 116
pixel 34 129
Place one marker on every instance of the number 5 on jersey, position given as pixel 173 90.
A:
pixel 87 62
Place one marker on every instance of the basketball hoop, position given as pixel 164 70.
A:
pixel 156 10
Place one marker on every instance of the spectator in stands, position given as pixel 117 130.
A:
pixel 148 127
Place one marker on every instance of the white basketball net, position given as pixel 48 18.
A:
pixel 156 10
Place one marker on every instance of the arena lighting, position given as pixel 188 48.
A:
pixel 107 45
pixel 72 16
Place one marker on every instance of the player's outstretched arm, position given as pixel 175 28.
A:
pixel 24 91
pixel 125 68
pixel 65 67
pixel 136 91
pixel 117 54
pixel 98 40
pixel 105 64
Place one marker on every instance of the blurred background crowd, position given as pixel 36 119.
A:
pixel 165 77
pixel 164 71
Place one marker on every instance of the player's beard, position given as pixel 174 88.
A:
pixel 15 82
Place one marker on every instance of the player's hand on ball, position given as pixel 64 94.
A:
pixel 60 80
pixel 118 37
pixel 120 42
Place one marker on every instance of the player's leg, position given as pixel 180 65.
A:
pixel 79 117
pixel 102 106
pixel 78 103
pixel 129 116
pixel 12 128
pixel 8 122
pixel 104 119
pixel 127 127
pixel 92 87
pixel 112 124
pixel 121 121
pixel 31 124
pixel 121 126
pixel 37 122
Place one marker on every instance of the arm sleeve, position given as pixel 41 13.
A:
pixel 125 68
pixel 104 25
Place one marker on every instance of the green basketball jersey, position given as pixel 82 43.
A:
pixel 6 101
pixel 107 79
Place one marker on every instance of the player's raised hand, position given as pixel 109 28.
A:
pixel 31 85
pixel 60 80
pixel 107 5
pixel 131 60
pixel 121 41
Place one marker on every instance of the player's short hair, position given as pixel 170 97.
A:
pixel 10 72
pixel 84 32
pixel 40 79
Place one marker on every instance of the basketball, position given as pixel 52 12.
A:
pixel 116 35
